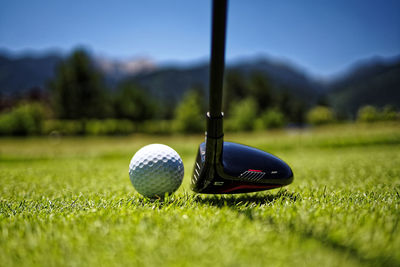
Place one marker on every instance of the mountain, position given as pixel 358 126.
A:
pixel 116 70
pixel 374 82
pixel 18 75
pixel 284 76
pixel 170 83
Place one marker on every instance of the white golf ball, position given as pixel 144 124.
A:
pixel 155 170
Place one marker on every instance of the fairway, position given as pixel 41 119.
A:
pixel 69 202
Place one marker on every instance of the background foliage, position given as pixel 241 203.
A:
pixel 81 101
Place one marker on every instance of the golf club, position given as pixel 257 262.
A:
pixel 225 167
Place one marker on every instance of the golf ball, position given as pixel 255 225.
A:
pixel 156 169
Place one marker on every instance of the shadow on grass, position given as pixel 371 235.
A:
pixel 232 201
pixel 337 245
pixel 246 204
pixel 243 200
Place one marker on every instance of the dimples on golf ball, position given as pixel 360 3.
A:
pixel 155 170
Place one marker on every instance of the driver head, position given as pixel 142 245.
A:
pixel 228 168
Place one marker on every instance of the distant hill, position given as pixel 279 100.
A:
pixel 171 82
pixel 18 75
pixel 117 70
pixel 373 82
pixel 284 76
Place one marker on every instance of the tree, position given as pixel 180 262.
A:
pixel 78 90
pixel 271 118
pixel 189 116
pixel 261 89
pixel 293 108
pixel 132 102
pixel 234 89
pixel 244 114
pixel 23 119
pixel 320 115
pixel 368 114
pixel 389 113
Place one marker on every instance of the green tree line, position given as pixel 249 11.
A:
pixel 81 103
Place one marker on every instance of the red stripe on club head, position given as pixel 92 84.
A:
pixel 251 170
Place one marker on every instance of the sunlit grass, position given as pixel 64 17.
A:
pixel 69 202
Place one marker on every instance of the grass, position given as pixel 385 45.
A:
pixel 69 202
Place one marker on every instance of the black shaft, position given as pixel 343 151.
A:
pixel 217 56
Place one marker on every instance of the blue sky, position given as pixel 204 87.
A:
pixel 322 36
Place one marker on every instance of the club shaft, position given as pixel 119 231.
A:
pixel 217 66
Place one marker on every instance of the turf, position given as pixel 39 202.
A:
pixel 69 202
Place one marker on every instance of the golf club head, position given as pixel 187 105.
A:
pixel 234 168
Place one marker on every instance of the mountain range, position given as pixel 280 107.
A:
pixel 375 81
